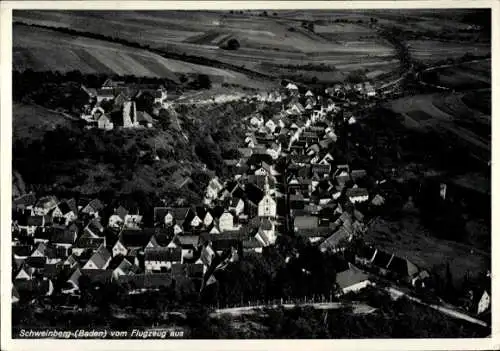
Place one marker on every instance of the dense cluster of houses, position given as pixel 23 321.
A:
pixel 113 105
pixel 284 182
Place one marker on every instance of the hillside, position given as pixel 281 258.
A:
pixel 142 166
pixel 32 121
pixel 43 49
pixel 264 41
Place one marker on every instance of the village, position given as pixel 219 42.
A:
pixel 286 181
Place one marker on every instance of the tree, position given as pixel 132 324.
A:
pixel 203 81
pixel 231 44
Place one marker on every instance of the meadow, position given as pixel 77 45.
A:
pixel 48 50
pixel 264 41
pixel 429 51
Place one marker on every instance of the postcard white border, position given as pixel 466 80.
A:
pixel 364 344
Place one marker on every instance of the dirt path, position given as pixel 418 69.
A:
pixel 358 308
pixel 396 293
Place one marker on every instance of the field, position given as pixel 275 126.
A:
pixel 273 40
pixel 43 49
pixel 449 115
pixel 429 51
pixel 409 239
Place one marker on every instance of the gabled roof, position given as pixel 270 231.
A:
pixel 305 222
pixel 351 276
pixel 402 267
pixel 126 267
pixel 356 192
pixel 266 224
pixel 64 207
pixel 95 227
pixel 187 240
pixel 46 202
pixel 335 239
pixel 143 116
pixel 95 205
pixel 121 212
pixel 252 243
pixel 62 236
pixel 24 200
pixel 35 221
pixel 253 193
pixel 381 259
pixel 21 250
pixel 180 213
pixel 101 257
pixel 163 254
pixel 75 277
pixel 134 238
pixel 159 213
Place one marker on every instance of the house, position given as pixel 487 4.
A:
pixel 144 119
pixel 25 273
pixel 295 109
pixel 15 295
pixel 484 302
pixel 207 255
pixel 257 121
pixel 129 115
pixel 32 223
pixel 224 242
pixel 188 245
pixel 305 222
pixel 104 121
pixel 402 268
pixel 271 125
pixel 35 287
pixel 292 88
pixel 266 233
pixel 93 208
pixel 237 206
pixel 44 205
pixel 378 200
pixel 124 268
pixel 227 222
pixel 63 238
pixel 381 259
pixel 322 170
pixel 357 195
pixel 297 201
pixel 352 280
pixel 132 221
pixel 65 211
pixel 99 260
pixel 245 152
pixel 213 188
pixel 73 283
pixel 130 239
pixel 94 228
pixel 252 245
pixel 20 253
pixel 357 174
pixel 162 216
pixel 161 259
pixel 118 218
pixel 336 241
pixel 24 203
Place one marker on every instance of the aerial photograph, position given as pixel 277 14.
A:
pixel 251 174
